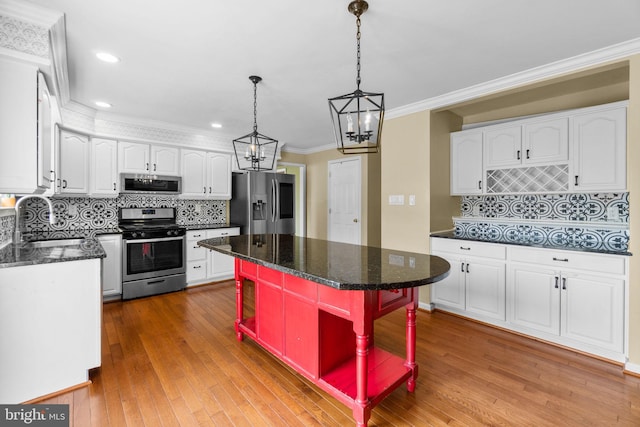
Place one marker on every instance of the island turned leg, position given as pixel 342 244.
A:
pixel 239 303
pixel 411 347
pixel 362 408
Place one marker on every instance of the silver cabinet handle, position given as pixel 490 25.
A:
pixel 479 185
pixel 564 283
pixel 518 155
pixel 64 183
pixel 197 266
pixel 147 166
pixel 205 190
pixel 561 259
pixel 465 249
pixel 209 190
pixel 576 181
pixel 556 285
pixel 467 267
pixel 114 186
pixel 527 154
pixel 154 167
pixel 462 267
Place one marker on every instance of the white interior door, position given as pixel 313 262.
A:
pixel 344 201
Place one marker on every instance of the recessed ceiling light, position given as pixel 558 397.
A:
pixel 103 104
pixel 216 125
pixel 107 57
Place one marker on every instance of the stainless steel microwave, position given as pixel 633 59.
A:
pixel 150 184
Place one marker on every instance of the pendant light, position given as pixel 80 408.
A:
pixel 357 117
pixel 257 150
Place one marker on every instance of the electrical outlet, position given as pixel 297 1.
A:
pixel 475 211
pixel 73 210
pixel 412 199
pixel 613 214
pixel 198 208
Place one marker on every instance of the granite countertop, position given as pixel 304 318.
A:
pixel 209 226
pixel 338 265
pixel 450 234
pixel 45 252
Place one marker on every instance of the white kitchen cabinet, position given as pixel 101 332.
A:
pixel 134 157
pixel 598 150
pixel 204 265
pixel 545 141
pixel 26 151
pixel 527 143
pixel 503 147
pixel 111 265
pixel 104 167
pixel 50 323
pixel 73 170
pixel 466 163
pixel 206 175
pixel 476 283
pixel 569 295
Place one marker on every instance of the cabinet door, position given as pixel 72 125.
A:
pixel 219 169
pixel 533 298
pixel 133 157
pixel 546 142
pixel 466 163
pixel 45 135
pixel 194 173
pixel 485 288
pixel 111 265
pixel 221 266
pixel 269 316
pixel 104 167
pixel 165 160
pixel 503 147
pixel 450 291
pixel 593 310
pixel 74 163
pixel 598 144
pixel 301 333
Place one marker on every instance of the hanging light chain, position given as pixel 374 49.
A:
pixel 358 51
pixel 255 106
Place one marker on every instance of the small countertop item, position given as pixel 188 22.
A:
pixel 451 234
pixel 50 251
pixel 338 265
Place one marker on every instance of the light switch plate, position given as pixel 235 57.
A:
pixel 396 199
pixel 412 199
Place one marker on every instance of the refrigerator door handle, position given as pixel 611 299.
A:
pixel 273 200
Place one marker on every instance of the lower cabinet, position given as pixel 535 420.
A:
pixel 476 282
pixel 204 265
pixel 575 299
pixel 111 265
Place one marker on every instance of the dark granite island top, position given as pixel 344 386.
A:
pixel 338 265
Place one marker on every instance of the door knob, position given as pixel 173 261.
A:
pixel 355 219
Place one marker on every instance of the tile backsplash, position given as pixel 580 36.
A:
pixel 77 214
pixel 556 207
pixel 581 221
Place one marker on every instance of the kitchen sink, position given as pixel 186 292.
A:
pixel 54 243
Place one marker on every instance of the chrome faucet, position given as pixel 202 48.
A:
pixel 17 234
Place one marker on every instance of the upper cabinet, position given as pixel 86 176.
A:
pixel 73 170
pixel 104 167
pixel 148 159
pixel 26 151
pixel 578 150
pixel 466 162
pixel 599 151
pixel 532 142
pixel 206 175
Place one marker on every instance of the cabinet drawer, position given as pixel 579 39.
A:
pixel 222 232
pixel 196 271
pixel 469 248
pixel 612 264
pixel 196 235
pixel 195 252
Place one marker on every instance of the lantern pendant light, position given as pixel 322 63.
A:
pixel 357 117
pixel 252 146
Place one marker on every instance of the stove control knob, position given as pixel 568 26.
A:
pixel 134 234
pixel 142 234
pixel 169 233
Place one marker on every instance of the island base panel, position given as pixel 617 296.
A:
pixel 337 329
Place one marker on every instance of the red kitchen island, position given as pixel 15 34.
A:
pixel 315 306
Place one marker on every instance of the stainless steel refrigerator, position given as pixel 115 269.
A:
pixel 263 203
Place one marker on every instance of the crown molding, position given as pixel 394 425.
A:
pixel 58 43
pixel 24 11
pixel 597 57
pixel 311 150
pixel 25 57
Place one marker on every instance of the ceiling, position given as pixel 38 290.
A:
pixel 187 63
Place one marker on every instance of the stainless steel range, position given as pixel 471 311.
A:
pixel 154 252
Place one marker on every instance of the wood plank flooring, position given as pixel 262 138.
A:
pixel 173 360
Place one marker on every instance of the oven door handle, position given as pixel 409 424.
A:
pixel 153 240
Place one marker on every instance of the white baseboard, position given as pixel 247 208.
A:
pixel 632 367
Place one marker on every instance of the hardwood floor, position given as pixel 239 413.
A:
pixel 173 360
